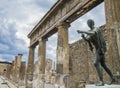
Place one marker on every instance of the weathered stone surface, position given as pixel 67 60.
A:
pixel 48 70
pixel 30 68
pixel 113 33
pixel 5 69
pixel 22 70
pixel 30 60
pixel 81 64
pixel 39 80
pixel 63 49
pixel 61 81
pixel 41 56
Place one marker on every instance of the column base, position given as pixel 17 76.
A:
pixel 38 81
pixel 61 81
pixel 29 80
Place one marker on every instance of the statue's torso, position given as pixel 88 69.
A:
pixel 93 38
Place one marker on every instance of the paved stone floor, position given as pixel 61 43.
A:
pixel 106 86
pixel 4 83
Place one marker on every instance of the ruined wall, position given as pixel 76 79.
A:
pixel 18 69
pixel 81 64
pixel 5 69
pixel 47 78
pixel 48 69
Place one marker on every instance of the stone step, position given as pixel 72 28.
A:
pixel 105 86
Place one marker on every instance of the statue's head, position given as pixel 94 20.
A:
pixel 90 23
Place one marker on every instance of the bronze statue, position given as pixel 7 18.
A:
pixel 95 38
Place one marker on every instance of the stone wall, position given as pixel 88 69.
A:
pixel 47 78
pixel 18 68
pixel 81 64
pixel 5 69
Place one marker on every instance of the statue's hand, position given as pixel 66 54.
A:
pixel 82 35
pixel 79 31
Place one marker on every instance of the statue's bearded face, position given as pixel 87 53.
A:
pixel 90 23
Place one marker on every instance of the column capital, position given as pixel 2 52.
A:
pixel 40 39
pixel 63 24
pixel 19 54
pixel 16 57
pixel 33 47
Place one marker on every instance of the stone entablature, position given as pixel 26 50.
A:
pixel 70 11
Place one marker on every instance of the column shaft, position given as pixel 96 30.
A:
pixel 30 68
pixel 30 61
pixel 63 49
pixel 41 56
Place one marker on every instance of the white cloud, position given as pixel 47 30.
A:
pixel 3 47
pixel 1 59
pixel 20 16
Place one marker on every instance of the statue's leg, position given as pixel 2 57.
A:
pixel 103 64
pixel 99 69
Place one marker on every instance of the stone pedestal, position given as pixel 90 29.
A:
pixel 105 86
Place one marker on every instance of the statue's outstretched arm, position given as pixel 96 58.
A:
pixel 86 32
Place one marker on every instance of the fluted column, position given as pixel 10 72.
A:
pixel 113 29
pixel 30 68
pixel 63 48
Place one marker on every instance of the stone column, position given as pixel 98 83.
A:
pixel 30 68
pixel 62 56
pixel 113 29
pixel 18 65
pixel 22 70
pixel 63 48
pixel 41 63
pixel 41 55
pixel 15 70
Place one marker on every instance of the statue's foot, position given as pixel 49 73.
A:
pixel 112 81
pixel 100 83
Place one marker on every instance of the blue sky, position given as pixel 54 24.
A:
pixel 18 17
